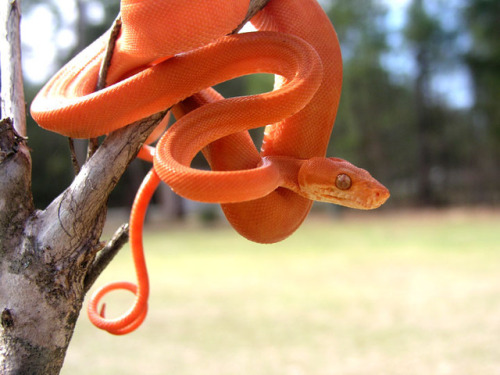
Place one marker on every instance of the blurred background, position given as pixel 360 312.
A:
pixel 411 288
pixel 419 107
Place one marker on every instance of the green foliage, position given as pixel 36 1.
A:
pixel 482 18
pixel 422 28
pixel 360 27
pixel 483 60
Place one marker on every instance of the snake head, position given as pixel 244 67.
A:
pixel 337 181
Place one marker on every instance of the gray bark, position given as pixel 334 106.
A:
pixel 48 257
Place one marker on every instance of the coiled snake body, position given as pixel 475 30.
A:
pixel 170 53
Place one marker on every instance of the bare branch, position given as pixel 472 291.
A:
pixel 254 7
pixel 92 147
pixel 106 255
pixel 15 161
pixel 74 159
pixel 106 62
pixel 77 208
pixel 12 101
pixel 103 73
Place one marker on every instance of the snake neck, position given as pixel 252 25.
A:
pixel 289 171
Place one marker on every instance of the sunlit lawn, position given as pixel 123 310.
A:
pixel 370 294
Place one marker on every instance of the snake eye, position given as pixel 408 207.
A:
pixel 343 181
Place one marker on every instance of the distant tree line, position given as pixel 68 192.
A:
pixel 396 125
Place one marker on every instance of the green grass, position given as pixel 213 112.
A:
pixel 365 294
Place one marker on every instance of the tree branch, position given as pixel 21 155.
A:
pixel 74 159
pixel 75 211
pixel 106 255
pixel 121 147
pixel 12 101
pixel 16 201
pixel 108 54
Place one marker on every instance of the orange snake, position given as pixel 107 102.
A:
pixel 169 54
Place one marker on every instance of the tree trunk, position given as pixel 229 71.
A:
pixel 48 257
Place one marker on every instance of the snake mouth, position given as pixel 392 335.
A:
pixel 358 203
pixel 368 199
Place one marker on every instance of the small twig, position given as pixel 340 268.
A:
pixel 254 8
pixel 106 255
pixel 103 73
pixel 106 62
pixel 74 159
pixel 92 147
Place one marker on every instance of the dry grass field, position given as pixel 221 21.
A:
pixel 389 293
